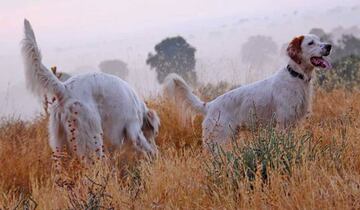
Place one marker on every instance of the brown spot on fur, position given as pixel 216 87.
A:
pixel 294 49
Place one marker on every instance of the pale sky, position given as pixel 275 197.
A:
pixel 92 15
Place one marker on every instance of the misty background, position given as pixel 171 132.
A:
pixel 77 36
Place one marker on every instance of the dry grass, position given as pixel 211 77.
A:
pixel 328 177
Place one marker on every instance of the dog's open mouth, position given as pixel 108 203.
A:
pixel 320 62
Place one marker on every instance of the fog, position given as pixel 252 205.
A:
pixel 77 35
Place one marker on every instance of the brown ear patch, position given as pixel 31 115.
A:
pixel 294 49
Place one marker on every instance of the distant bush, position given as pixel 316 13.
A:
pixel 115 67
pixel 258 51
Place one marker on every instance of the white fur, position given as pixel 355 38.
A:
pixel 38 78
pixel 282 96
pixel 90 108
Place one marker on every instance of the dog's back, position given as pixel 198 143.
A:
pixel 112 95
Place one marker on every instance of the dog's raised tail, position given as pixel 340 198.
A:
pixel 39 79
pixel 175 87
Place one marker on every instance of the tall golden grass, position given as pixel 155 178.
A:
pixel 179 177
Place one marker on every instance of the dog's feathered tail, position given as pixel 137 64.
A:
pixel 175 87
pixel 39 79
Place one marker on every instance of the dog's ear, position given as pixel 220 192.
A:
pixel 294 49
pixel 153 120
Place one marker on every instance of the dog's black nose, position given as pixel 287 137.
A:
pixel 328 47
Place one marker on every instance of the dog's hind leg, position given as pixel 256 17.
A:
pixel 57 140
pixel 217 129
pixel 84 131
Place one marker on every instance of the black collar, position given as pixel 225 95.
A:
pixel 294 73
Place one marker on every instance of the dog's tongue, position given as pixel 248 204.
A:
pixel 321 62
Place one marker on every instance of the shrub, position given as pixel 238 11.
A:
pixel 266 152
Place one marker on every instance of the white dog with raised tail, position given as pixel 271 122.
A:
pixel 285 95
pixel 90 108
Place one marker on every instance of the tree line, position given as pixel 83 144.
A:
pixel 176 55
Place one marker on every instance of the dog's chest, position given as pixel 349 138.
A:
pixel 298 99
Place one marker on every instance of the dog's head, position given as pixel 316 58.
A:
pixel 308 50
pixel 151 126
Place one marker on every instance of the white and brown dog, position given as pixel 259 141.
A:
pixel 285 96
pixel 89 108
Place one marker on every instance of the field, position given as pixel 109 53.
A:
pixel 313 166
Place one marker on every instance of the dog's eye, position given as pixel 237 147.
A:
pixel 311 43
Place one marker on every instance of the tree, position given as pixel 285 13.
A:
pixel 174 55
pixel 115 67
pixel 258 50
pixel 321 34
pixel 339 31
pixel 348 45
pixel 317 31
